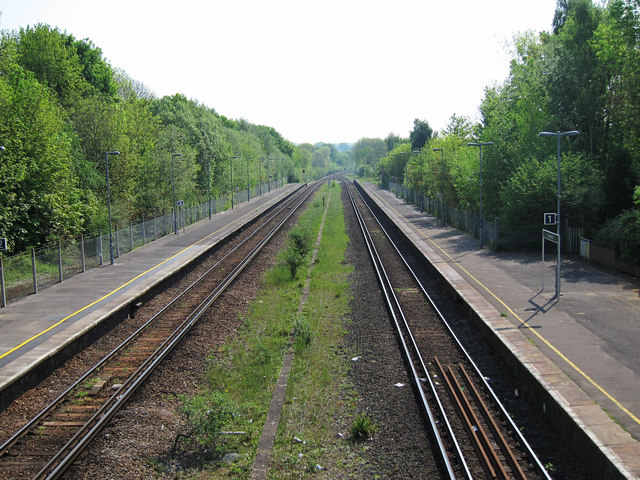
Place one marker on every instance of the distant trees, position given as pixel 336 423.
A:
pixel 62 107
pixel 584 75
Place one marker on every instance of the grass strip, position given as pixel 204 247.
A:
pixel 244 370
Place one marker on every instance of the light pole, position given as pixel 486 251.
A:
pixel 231 186
pixel 108 206
pixel 209 183
pixel 173 183
pixel 248 195
pixel 441 180
pixel 394 160
pixel 480 145
pixel 558 134
pixel 268 175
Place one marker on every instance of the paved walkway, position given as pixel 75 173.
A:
pixel 34 328
pixel 591 332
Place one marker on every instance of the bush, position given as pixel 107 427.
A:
pixel 622 234
pixel 299 246
pixel 207 415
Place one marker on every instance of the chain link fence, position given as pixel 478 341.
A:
pixel 456 217
pixel 24 273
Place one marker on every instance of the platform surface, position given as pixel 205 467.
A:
pixel 591 333
pixel 35 327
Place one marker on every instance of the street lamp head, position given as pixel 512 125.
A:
pixel 176 154
pixel 437 150
pixel 570 133
pixel 1 148
pixel 115 152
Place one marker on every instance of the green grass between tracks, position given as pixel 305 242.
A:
pixel 246 368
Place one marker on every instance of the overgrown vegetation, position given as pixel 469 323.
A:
pixel 243 372
pixel 299 246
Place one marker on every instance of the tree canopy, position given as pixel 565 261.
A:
pixel 62 106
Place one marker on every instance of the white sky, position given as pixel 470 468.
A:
pixel 330 70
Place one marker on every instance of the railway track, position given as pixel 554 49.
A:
pixel 473 435
pixel 47 445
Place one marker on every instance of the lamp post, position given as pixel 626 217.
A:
pixel 209 183
pixel 480 145
pixel 109 206
pixel 173 184
pixel 441 179
pixel 248 195
pixel 558 134
pixel 268 175
pixel 396 182
pixel 231 186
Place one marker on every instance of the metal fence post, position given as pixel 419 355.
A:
pixel 33 269
pixel 130 236
pixel 144 234
pixel 155 226
pixel 4 296
pixel 82 251
pixel 60 260
pixel 117 242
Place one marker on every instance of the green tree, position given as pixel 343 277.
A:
pixel 39 199
pixel 420 134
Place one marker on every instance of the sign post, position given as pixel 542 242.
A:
pixel 555 238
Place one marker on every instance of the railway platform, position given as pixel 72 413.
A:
pixel 577 355
pixel 37 332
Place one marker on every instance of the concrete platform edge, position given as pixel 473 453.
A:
pixel 549 390
pixel 107 317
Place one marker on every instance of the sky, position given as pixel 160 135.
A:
pixel 317 71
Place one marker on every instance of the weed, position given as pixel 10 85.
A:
pixel 503 314
pixel 362 428
pixel 207 415
pixel 302 331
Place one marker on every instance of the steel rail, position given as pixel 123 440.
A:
pixel 494 397
pixel 393 304
pixel 4 448
pixel 103 413
pixel 56 467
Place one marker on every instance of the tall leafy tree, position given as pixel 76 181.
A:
pixel 420 134
pixel 39 199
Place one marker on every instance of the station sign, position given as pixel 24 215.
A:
pixel 550 219
pixel 3 243
pixel 551 236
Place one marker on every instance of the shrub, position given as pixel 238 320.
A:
pixel 207 415
pixel 299 246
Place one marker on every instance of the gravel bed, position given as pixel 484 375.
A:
pixel 144 432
